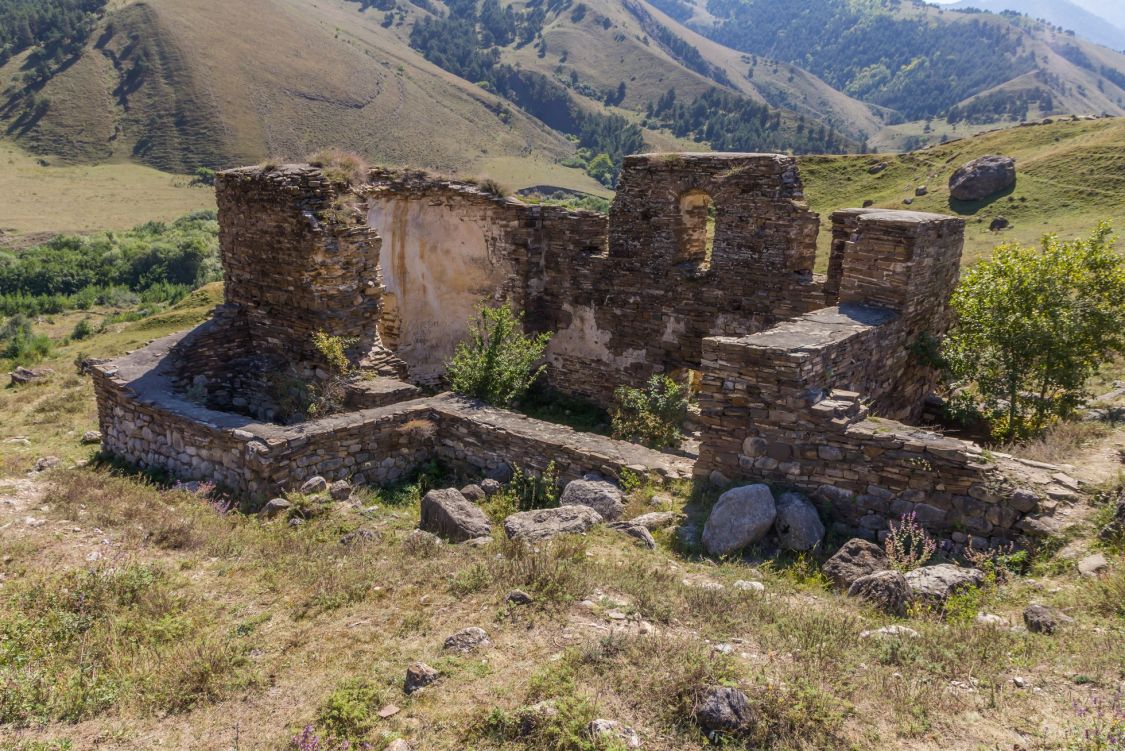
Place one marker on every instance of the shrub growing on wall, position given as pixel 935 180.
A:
pixel 497 362
pixel 1034 324
pixel 653 416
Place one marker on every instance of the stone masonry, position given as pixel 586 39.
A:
pixel 703 266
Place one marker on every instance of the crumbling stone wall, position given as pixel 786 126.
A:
pixel 704 264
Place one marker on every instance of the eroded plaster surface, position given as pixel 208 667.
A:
pixel 439 262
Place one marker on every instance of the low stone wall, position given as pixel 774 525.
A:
pixel 145 422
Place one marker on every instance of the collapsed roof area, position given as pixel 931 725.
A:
pixel 703 266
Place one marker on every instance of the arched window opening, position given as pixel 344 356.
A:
pixel 697 230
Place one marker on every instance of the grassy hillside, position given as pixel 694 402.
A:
pixel 1070 175
pixel 42 198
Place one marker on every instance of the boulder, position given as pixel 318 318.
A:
pixel 44 463
pixel 541 524
pixel 637 532
pixel 982 178
pixel 519 597
pixel 749 586
pixel 603 497
pixel 418 676
pixel 20 376
pixel 536 717
pixel 614 733
pixel 798 525
pixel 314 485
pixel 1093 565
pixel 722 708
pixel 656 520
pixel 467 640
pixel 448 514
pixel 742 516
pixel 91 436
pixel 420 542
pixel 934 584
pixel 1041 619
pixel 275 507
pixel 474 493
pixel 855 559
pixel 359 537
pixel 886 590
pixel 490 487
pixel 921 190
pixel 998 224
pixel 341 490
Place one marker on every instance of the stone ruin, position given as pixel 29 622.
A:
pixel 804 380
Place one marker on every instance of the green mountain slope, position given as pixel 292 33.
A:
pixel 1069 176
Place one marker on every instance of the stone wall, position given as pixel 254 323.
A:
pixel 793 404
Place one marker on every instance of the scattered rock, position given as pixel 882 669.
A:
pixel 1019 682
pixel 921 190
pixel 341 490
pixel 47 462
pixel 91 436
pixel 1041 619
pixel 722 708
pixel 450 515
pixel 709 585
pixel 603 497
pixel 359 536
pixel 989 620
pixel 908 201
pixel 875 169
pixel 490 486
pixel 418 676
pixel 501 474
pixel 892 631
pixel 749 586
pixel 855 559
pixel 541 524
pixel 519 597
pixel 388 711
pixel 637 532
pixel 935 584
pixel 314 485
pixel 656 520
pixel 296 521
pixel 421 542
pixel 798 525
pixel 467 640
pixel 742 516
pixel 276 507
pixel 398 744
pixel 478 542
pixel 474 492
pixel 536 716
pixel 998 224
pixel 867 202
pixel 21 376
pixel 886 590
pixel 1093 565
pixel 614 732
pixel 982 178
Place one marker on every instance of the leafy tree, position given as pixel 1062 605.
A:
pixel 1033 325
pixel 497 363
pixel 653 416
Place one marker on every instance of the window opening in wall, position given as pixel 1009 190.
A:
pixel 697 231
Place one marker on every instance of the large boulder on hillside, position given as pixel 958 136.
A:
pixel 855 559
pixel 722 709
pixel 742 516
pixel 982 178
pixel 935 584
pixel 886 590
pixel 603 497
pixel 549 522
pixel 798 524
pixel 448 514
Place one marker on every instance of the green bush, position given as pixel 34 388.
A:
pixel 497 363
pixel 1033 326
pixel 20 344
pixel 653 416
pixel 83 329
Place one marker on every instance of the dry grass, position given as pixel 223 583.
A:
pixel 136 613
pixel 1060 442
